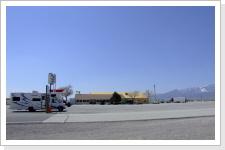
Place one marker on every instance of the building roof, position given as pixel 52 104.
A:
pixel 93 96
pixel 124 94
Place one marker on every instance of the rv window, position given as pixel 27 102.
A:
pixel 36 99
pixel 54 100
pixel 16 98
pixel 53 95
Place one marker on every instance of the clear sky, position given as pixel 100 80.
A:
pixel 106 48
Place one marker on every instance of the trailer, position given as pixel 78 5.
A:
pixel 179 99
pixel 72 101
pixel 35 101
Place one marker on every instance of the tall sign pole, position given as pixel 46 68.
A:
pixel 50 82
pixel 46 99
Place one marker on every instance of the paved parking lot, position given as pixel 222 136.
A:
pixel 93 113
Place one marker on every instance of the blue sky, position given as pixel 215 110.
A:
pixel 110 48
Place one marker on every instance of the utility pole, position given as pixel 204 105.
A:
pixel 154 92
pixel 46 100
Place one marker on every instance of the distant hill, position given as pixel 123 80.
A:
pixel 196 93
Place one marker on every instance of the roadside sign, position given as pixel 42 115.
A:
pixel 50 78
pixel 58 91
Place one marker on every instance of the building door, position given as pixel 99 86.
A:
pixel 92 101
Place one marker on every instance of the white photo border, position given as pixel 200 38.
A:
pixel 217 140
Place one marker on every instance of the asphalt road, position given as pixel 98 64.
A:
pixel 188 121
pixel 202 128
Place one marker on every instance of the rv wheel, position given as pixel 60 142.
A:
pixel 60 108
pixel 31 109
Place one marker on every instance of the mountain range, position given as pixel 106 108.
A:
pixel 196 93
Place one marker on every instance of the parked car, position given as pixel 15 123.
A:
pixel 102 102
pixel 156 102
pixel 129 102
pixel 137 102
pixel 107 103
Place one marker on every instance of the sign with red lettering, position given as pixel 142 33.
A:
pixel 58 91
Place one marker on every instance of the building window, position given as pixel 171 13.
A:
pixel 84 100
pixel 16 98
pixel 43 97
pixel 126 93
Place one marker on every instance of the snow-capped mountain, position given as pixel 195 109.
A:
pixel 194 93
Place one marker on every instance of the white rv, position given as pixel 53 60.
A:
pixel 35 101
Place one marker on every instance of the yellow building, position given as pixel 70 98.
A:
pixel 97 97
pixel 133 96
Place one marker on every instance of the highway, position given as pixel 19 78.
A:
pixel 173 121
